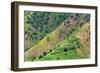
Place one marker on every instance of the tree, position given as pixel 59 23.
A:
pixel 45 53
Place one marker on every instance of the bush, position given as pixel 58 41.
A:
pixel 50 50
pixel 40 56
pixel 77 15
pixel 48 39
pixel 65 49
pixel 58 58
pixel 58 46
pixel 75 18
pixel 72 48
pixel 72 16
pixel 33 58
pixel 45 53
pixel 68 22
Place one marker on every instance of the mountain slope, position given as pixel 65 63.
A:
pixel 38 24
pixel 75 46
pixel 55 37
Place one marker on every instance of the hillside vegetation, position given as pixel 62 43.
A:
pixel 39 24
pixel 63 40
pixel 73 47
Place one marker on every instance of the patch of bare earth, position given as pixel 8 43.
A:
pixel 84 36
